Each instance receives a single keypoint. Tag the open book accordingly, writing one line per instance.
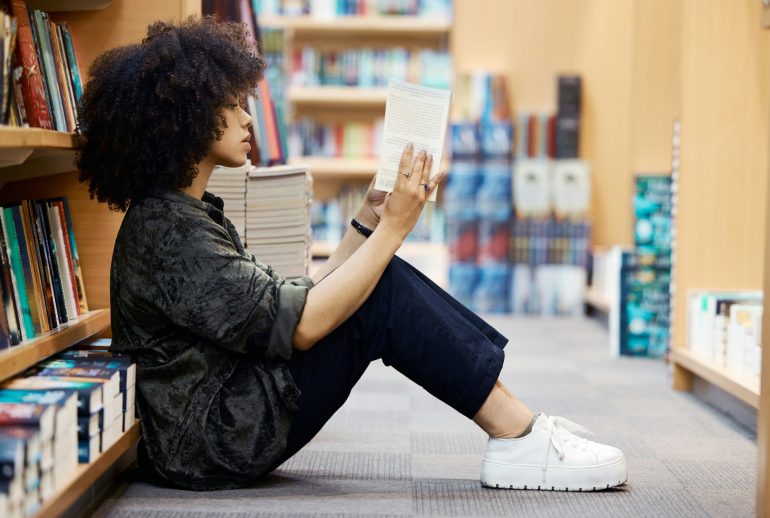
(416, 114)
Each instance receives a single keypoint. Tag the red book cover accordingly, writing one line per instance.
(532, 151)
(551, 151)
(30, 80)
(271, 128)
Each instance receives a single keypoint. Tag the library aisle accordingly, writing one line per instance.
(394, 450)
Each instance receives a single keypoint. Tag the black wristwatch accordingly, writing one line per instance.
(364, 231)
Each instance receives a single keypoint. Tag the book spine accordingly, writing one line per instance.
(39, 270)
(65, 86)
(23, 279)
(69, 293)
(9, 308)
(39, 19)
(67, 219)
(29, 82)
(48, 245)
(72, 61)
(58, 210)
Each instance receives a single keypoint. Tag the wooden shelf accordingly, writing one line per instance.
(363, 25)
(87, 474)
(20, 357)
(12, 137)
(31, 152)
(353, 168)
(596, 300)
(742, 388)
(350, 96)
(68, 5)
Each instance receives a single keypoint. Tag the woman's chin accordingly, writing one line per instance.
(235, 162)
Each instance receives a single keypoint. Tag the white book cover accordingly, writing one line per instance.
(532, 187)
(571, 187)
(415, 114)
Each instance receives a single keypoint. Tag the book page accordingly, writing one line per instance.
(415, 114)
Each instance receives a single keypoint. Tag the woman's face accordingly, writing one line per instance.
(233, 148)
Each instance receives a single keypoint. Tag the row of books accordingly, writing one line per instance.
(441, 9)
(63, 411)
(330, 219)
(270, 209)
(725, 328)
(370, 67)
(519, 241)
(41, 282)
(41, 82)
(544, 290)
(531, 188)
(351, 139)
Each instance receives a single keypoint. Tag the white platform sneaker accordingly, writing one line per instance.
(551, 457)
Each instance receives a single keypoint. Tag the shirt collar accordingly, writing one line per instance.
(209, 200)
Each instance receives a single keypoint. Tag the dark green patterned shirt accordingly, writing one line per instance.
(210, 328)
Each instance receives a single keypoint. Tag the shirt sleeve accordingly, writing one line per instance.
(207, 287)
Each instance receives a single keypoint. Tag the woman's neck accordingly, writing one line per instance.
(198, 186)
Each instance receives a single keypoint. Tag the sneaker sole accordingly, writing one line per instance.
(497, 475)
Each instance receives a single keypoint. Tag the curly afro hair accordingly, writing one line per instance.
(151, 111)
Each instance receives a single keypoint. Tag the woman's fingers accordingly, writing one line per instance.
(426, 169)
(419, 165)
(426, 173)
(405, 164)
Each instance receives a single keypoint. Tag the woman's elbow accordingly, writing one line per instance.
(302, 340)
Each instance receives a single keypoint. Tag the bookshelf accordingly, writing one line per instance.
(724, 129)
(360, 25)
(37, 163)
(26, 354)
(119, 455)
(343, 104)
(744, 389)
(338, 96)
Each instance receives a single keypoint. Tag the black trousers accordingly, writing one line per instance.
(411, 324)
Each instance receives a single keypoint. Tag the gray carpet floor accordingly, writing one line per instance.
(394, 450)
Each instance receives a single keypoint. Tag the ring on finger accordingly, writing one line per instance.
(405, 174)
(425, 186)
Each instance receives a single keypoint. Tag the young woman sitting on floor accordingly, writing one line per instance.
(237, 368)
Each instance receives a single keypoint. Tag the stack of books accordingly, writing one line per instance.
(44, 71)
(278, 201)
(41, 282)
(61, 412)
(229, 183)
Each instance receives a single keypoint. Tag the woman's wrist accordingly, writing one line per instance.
(366, 218)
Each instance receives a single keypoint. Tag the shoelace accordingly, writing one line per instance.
(561, 433)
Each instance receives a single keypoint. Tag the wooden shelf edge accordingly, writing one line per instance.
(338, 95)
(321, 167)
(87, 474)
(68, 5)
(597, 301)
(13, 137)
(412, 25)
(18, 358)
(742, 389)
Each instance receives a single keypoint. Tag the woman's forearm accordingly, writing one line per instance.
(340, 293)
(348, 245)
